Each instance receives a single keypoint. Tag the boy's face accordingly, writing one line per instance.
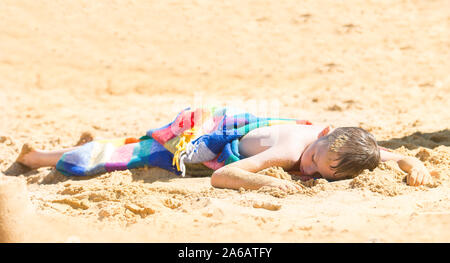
(317, 160)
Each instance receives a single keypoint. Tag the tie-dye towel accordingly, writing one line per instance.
(197, 142)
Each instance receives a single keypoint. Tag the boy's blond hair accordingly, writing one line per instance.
(356, 150)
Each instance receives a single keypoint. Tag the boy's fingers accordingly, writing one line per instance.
(428, 179)
(409, 179)
(419, 178)
(425, 176)
(412, 178)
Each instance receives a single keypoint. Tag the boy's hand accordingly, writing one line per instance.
(285, 185)
(417, 173)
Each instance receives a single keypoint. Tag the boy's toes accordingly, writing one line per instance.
(26, 156)
(26, 149)
(85, 137)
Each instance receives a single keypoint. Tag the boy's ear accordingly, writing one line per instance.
(325, 131)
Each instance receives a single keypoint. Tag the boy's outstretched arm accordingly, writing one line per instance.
(417, 172)
(243, 173)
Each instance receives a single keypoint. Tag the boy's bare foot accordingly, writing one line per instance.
(28, 156)
(85, 138)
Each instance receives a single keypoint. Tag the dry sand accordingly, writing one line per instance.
(119, 68)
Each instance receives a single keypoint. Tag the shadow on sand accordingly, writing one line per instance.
(418, 139)
(52, 176)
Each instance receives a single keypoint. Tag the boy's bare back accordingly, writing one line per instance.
(288, 138)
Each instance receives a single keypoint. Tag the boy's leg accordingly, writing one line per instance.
(33, 158)
(38, 158)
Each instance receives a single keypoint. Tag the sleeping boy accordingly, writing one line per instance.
(309, 151)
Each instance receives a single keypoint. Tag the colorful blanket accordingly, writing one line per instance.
(197, 142)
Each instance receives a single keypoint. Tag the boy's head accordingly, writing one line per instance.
(342, 154)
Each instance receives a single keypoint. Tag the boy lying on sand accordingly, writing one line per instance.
(310, 151)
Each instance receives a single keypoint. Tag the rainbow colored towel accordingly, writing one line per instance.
(197, 142)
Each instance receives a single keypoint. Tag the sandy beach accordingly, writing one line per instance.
(119, 68)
